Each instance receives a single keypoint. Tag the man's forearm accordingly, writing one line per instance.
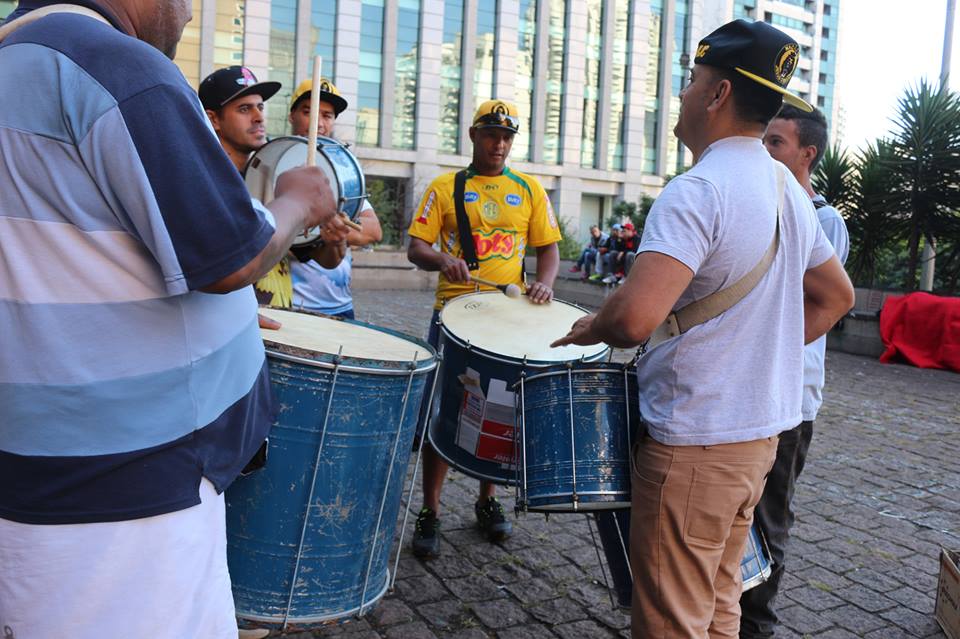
(818, 320)
(548, 264)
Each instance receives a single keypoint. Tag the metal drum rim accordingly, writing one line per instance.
(604, 367)
(507, 359)
(322, 619)
(469, 473)
(354, 364)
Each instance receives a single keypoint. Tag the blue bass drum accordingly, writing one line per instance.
(488, 340)
(333, 158)
(309, 535)
(578, 423)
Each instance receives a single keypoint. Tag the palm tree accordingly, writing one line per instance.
(925, 163)
(834, 178)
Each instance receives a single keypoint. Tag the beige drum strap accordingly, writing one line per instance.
(36, 14)
(702, 310)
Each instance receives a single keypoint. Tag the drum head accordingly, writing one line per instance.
(320, 338)
(515, 328)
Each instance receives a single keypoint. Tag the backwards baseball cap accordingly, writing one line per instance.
(328, 93)
(497, 113)
(228, 84)
(757, 51)
(628, 226)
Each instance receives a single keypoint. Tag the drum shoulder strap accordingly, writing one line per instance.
(467, 248)
(42, 12)
(715, 304)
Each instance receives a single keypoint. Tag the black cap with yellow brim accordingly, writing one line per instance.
(757, 51)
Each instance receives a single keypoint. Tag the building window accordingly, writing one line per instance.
(679, 74)
(591, 84)
(323, 36)
(485, 52)
(451, 53)
(371, 72)
(821, 101)
(825, 32)
(407, 66)
(228, 34)
(188, 51)
(620, 66)
(822, 79)
(783, 21)
(824, 55)
(553, 126)
(826, 9)
(651, 116)
(283, 53)
(526, 69)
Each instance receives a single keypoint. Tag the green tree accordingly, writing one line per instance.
(834, 177)
(925, 163)
(634, 212)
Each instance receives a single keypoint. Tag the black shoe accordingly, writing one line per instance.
(426, 534)
(491, 520)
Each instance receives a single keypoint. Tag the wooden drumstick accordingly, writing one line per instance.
(510, 290)
(314, 125)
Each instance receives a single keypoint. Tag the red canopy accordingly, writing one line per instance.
(922, 329)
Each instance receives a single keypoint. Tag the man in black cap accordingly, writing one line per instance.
(733, 275)
(234, 102)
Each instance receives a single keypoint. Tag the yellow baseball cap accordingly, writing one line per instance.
(497, 113)
(328, 93)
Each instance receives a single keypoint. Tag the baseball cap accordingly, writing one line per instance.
(328, 93)
(497, 114)
(757, 51)
(628, 226)
(227, 84)
(616, 227)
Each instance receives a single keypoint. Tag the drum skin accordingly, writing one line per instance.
(588, 469)
(356, 487)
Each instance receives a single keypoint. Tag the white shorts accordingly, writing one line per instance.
(162, 577)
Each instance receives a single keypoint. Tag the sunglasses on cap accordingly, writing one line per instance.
(498, 119)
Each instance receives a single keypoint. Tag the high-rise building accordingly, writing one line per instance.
(597, 82)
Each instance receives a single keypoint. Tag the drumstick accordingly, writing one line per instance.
(314, 125)
(510, 290)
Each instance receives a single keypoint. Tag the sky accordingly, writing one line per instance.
(885, 47)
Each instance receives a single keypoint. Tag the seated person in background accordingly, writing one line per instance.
(588, 257)
(603, 252)
(622, 256)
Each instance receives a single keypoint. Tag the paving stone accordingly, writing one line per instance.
(526, 632)
(554, 611)
(473, 588)
(869, 600)
(499, 614)
(445, 615)
(421, 589)
(582, 630)
(854, 619)
(417, 630)
(391, 611)
(534, 590)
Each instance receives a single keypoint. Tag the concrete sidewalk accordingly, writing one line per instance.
(879, 496)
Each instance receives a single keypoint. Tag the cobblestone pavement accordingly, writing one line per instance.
(880, 494)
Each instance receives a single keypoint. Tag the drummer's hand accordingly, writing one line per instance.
(334, 231)
(454, 269)
(581, 333)
(540, 293)
(267, 322)
(309, 186)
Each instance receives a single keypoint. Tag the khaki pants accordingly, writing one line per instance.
(692, 509)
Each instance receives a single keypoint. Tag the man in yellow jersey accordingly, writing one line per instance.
(507, 212)
(234, 101)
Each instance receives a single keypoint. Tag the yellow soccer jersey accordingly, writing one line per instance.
(276, 287)
(507, 213)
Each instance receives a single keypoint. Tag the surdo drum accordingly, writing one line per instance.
(308, 535)
(488, 341)
(333, 158)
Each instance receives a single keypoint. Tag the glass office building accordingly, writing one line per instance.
(596, 82)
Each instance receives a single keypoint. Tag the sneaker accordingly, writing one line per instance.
(574, 269)
(594, 277)
(610, 279)
(491, 520)
(426, 534)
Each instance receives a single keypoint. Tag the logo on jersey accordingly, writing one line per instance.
(425, 213)
(513, 199)
(471, 196)
(550, 216)
(497, 244)
(490, 187)
(490, 211)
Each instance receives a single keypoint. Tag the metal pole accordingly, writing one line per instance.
(928, 260)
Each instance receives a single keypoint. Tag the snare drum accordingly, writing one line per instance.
(309, 535)
(488, 340)
(577, 425)
(334, 158)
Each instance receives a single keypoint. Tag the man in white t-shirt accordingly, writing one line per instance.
(715, 397)
(315, 288)
(798, 139)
